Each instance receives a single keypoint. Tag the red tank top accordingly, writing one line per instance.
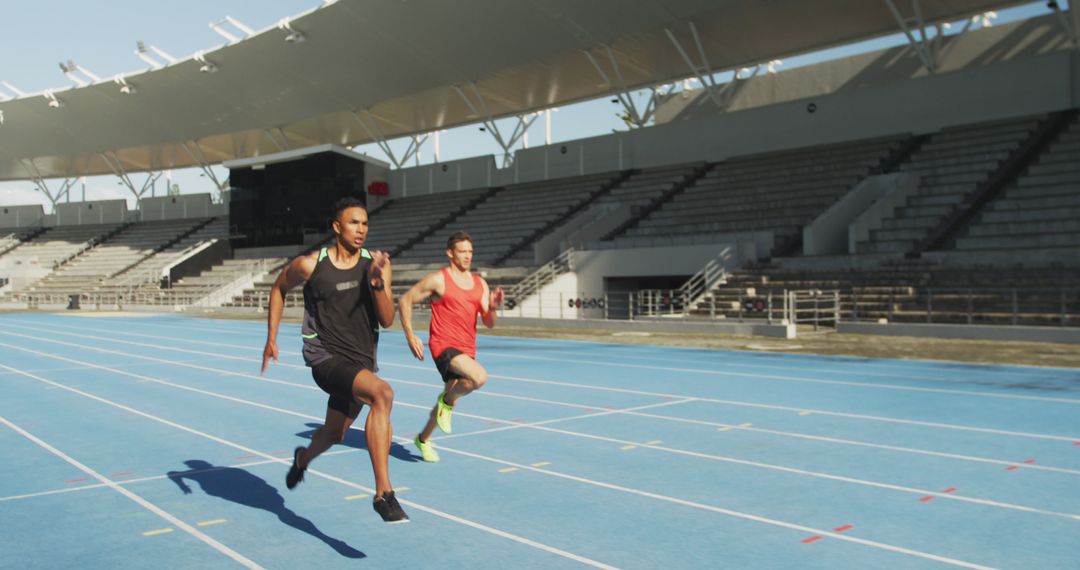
(453, 317)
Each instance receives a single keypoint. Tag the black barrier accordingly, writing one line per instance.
(73, 302)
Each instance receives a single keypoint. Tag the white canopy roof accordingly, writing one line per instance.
(371, 69)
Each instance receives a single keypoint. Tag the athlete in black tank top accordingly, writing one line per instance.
(346, 298)
(339, 313)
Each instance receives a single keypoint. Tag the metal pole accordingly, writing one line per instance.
(1063, 311)
(929, 305)
(815, 293)
(769, 318)
(892, 303)
(605, 306)
(712, 305)
(561, 305)
(740, 305)
(854, 304)
(1015, 307)
(539, 304)
(836, 308)
(971, 302)
(630, 304)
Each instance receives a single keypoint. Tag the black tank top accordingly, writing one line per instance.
(339, 313)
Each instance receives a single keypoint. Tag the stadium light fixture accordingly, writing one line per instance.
(143, 51)
(125, 87)
(291, 35)
(206, 66)
(54, 103)
(71, 68)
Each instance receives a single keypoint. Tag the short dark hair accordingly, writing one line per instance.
(345, 203)
(456, 237)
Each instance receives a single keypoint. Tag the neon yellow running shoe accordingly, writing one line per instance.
(427, 451)
(442, 416)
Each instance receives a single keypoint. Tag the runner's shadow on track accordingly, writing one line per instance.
(243, 488)
(356, 440)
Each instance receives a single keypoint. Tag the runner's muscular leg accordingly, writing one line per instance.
(471, 377)
(369, 389)
(332, 431)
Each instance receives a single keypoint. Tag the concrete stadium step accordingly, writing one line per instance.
(1020, 241)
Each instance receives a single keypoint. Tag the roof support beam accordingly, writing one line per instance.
(921, 48)
(631, 115)
(480, 108)
(196, 153)
(1069, 22)
(43, 187)
(371, 126)
(117, 166)
(703, 72)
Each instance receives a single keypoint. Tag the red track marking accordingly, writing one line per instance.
(280, 452)
(245, 457)
(843, 528)
(1029, 461)
(121, 474)
(810, 539)
(950, 490)
(79, 480)
(1076, 443)
(927, 498)
(1011, 468)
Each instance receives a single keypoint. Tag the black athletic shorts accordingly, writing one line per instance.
(335, 376)
(442, 362)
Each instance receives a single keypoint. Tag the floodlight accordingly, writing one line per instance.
(142, 50)
(125, 87)
(53, 101)
(292, 36)
(206, 66)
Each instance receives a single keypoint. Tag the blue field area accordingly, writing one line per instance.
(153, 441)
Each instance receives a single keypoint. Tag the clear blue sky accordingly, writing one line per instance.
(101, 36)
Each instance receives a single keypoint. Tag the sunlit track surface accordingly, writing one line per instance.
(154, 437)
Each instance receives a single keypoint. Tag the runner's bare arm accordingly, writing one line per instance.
(431, 284)
(490, 301)
(296, 272)
(380, 276)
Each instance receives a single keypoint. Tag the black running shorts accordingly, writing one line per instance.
(335, 376)
(442, 362)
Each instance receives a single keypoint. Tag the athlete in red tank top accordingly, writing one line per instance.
(453, 316)
(459, 297)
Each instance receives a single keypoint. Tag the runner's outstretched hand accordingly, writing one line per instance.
(269, 351)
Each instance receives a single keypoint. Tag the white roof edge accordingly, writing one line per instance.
(289, 155)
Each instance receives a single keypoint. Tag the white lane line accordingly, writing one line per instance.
(417, 506)
(131, 482)
(740, 375)
(540, 546)
(540, 426)
(236, 556)
(920, 423)
(724, 354)
(712, 372)
(748, 428)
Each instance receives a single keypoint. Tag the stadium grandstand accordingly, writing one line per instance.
(934, 182)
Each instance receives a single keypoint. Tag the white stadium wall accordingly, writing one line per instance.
(94, 212)
(12, 217)
(180, 207)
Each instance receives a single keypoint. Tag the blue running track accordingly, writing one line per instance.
(152, 441)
